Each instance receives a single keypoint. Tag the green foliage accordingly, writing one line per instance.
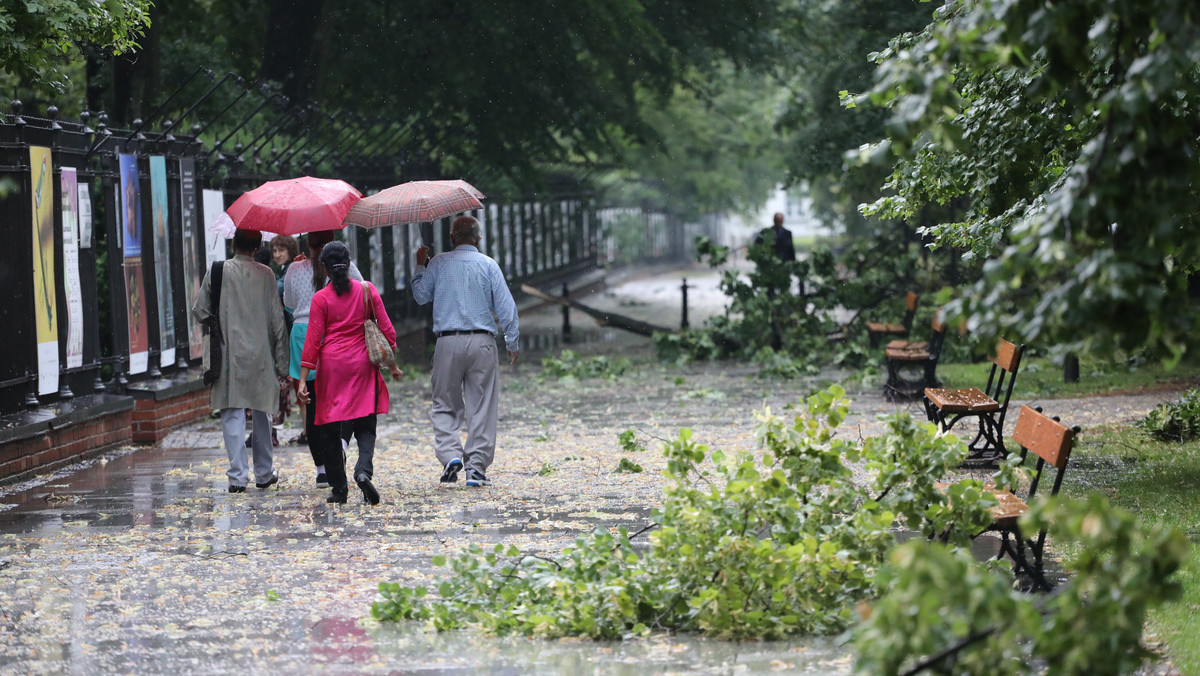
(1065, 134)
(1176, 420)
(569, 364)
(782, 314)
(714, 147)
(1091, 625)
(746, 544)
(630, 443)
(627, 466)
(547, 469)
(41, 36)
(828, 47)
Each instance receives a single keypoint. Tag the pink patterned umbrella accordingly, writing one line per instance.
(414, 202)
(295, 205)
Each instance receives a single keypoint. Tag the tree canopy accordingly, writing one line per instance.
(1071, 131)
(37, 34)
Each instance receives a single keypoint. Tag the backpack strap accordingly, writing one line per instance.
(215, 295)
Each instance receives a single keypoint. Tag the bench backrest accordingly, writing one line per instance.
(910, 310)
(1048, 439)
(1003, 376)
(938, 336)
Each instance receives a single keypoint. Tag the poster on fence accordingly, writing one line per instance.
(72, 291)
(192, 243)
(45, 287)
(214, 243)
(135, 288)
(85, 216)
(161, 220)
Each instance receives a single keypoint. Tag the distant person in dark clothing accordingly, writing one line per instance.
(785, 249)
(778, 282)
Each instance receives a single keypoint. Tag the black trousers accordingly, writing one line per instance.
(324, 442)
(335, 465)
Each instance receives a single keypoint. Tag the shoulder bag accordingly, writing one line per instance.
(378, 351)
(214, 339)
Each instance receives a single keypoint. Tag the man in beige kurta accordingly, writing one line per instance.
(255, 358)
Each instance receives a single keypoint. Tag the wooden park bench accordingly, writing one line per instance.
(876, 330)
(947, 406)
(1051, 442)
(903, 356)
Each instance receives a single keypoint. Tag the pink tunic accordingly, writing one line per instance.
(350, 386)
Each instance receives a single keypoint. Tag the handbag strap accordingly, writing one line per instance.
(367, 306)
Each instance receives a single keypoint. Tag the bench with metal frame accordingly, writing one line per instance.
(1051, 442)
(947, 406)
(902, 355)
(877, 330)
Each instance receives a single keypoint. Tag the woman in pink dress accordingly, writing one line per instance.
(352, 389)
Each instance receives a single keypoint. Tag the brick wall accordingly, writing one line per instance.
(153, 419)
(61, 445)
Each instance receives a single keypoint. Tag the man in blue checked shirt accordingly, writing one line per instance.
(469, 294)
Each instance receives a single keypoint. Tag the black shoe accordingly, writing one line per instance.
(451, 470)
(337, 498)
(237, 489)
(249, 441)
(322, 480)
(268, 483)
(475, 478)
(301, 438)
(369, 493)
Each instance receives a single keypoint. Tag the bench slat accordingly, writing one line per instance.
(961, 400)
(1010, 508)
(1007, 356)
(1048, 438)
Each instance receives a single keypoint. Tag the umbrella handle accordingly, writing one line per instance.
(426, 228)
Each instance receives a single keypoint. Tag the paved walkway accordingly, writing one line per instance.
(140, 561)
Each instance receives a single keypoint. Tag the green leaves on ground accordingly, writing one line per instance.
(761, 544)
(1175, 420)
(569, 364)
(630, 443)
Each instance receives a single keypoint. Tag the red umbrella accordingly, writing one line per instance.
(414, 202)
(295, 205)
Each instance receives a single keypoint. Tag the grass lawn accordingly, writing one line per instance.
(1161, 483)
(1037, 377)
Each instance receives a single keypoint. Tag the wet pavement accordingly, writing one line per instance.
(140, 561)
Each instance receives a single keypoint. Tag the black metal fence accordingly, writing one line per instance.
(113, 299)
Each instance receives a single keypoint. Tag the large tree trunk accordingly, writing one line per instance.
(290, 51)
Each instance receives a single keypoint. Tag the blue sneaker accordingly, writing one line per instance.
(451, 470)
(476, 478)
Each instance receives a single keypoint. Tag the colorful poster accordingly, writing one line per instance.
(193, 275)
(45, 288)
(214, 242)
(162, 260)
(85, 217)
(135, 289)
(72, 290)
